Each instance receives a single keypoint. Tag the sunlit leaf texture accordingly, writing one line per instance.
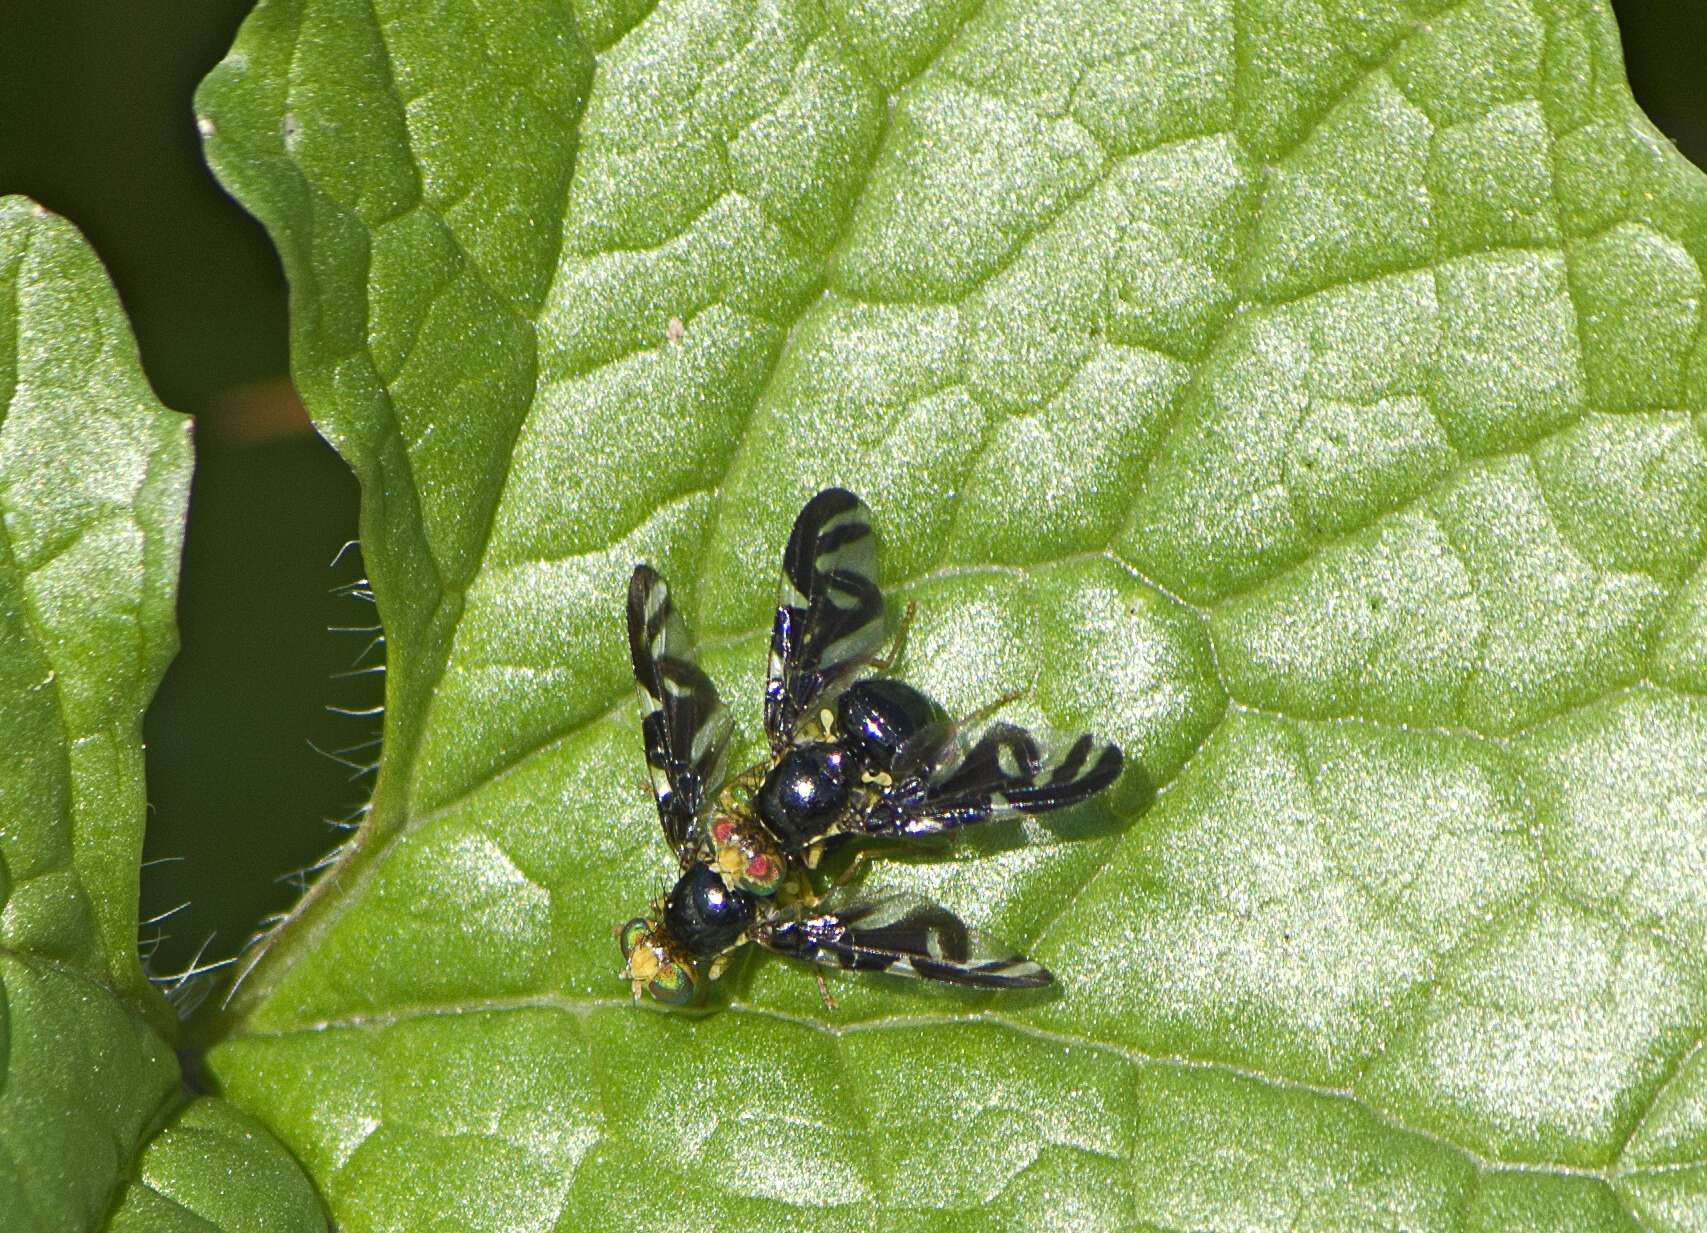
(1298, 392)
(94, 474)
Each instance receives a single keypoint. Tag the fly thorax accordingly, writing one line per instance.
(704, 915)
(804, 793)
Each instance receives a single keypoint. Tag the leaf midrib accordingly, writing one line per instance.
(583, 1007)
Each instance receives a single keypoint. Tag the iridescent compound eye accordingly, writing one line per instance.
(674, 984)
(630, 935)
(762, 875)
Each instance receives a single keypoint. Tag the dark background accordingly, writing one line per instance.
(96, 124)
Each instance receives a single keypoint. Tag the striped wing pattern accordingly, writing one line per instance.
(683, 722)
(1006, 771)
(904, 936)
(918, 773)
(829, 614)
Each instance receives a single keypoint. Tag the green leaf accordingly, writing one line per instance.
(213, 1167)
(94, 475)
(1300, 393)
(93, 479)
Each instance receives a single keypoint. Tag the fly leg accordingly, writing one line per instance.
(898, 643)
(989, 708)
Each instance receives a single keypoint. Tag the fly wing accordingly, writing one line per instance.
(904, 936)
(945, 781)
(682, 720)
(829, 610)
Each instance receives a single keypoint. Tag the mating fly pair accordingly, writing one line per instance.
(854, 758)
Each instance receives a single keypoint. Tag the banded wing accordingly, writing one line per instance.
(953, 782)
(904, 936)
(829, 611)
(682, 720)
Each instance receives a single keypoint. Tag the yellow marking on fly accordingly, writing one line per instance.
(881, 778)
(720, 965)
(794, 889)
(642, 966)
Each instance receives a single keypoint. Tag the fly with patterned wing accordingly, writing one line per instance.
(854, 756)
(942, 785)
(829, 610)
(685, 732)
(904, 936)
(873, 757)
(682, 720)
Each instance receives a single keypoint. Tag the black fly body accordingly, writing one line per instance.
(854, 757)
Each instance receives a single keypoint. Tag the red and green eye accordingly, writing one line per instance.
(674, 984)
(762, 875)
(631, 934)
(723, 832)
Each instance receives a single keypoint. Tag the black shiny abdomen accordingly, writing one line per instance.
(703, 915)
(876, 716)
(803, 793)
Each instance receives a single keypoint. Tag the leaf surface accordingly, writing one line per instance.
(94, 476)
(1303, 395)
